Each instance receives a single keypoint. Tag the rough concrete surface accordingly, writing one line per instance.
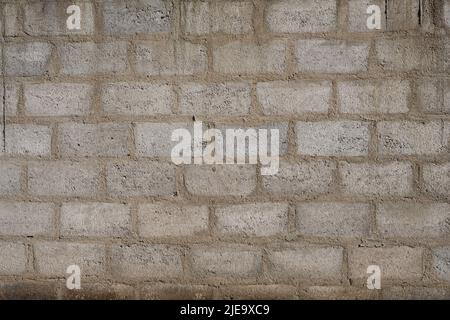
(86, 176)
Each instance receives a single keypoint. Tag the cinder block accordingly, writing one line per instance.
(396, 15)
(130, 17)
(332, 138)
(58, 99)
(437, 179)
(410, 138)
(220, 180)
(100, 291)
(289, 16)
(137, 98)
(333, 219)
(141, 261)
(26, 219)
(308, 264)
(331, 56)
(63, 178)
(282, 128)
(242, 57)
(153, 139)
(11, 98)
(407, 54)
(221, 99)
(14, 258)
(89, 140)
(404, 14)
(167, 291)
(371, 179)
(169, 58)
(234, 262)
(95, 219)
(227, 17)
(440, 264)
(53, 258)
(252, 220)
(258, 292)
(48, 18)
(28, 290)
(28, 140)
(413, 220)
(447, 13)
(172, 220)
(373, 97)
(27, 58)
(434, 96)
(400, 264)
(10, 174)
(300, 179)
(294, 97)
(11, 18)
(446, 56)
(357, 15)
(89, 58)
(140, 178)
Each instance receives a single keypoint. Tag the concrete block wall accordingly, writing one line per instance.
(85, 170)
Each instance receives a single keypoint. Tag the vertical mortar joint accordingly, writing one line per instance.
(420, 12)
(386, 13)
(3, 80)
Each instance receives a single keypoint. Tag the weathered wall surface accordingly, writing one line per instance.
(85, 170)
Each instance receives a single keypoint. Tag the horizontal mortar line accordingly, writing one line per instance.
(381, 159)
(224, 202)
(317, 197)
(243, 120)
(227, 78)
(258, 244)
(218, 38)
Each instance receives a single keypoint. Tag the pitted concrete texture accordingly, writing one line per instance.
(86, 176)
